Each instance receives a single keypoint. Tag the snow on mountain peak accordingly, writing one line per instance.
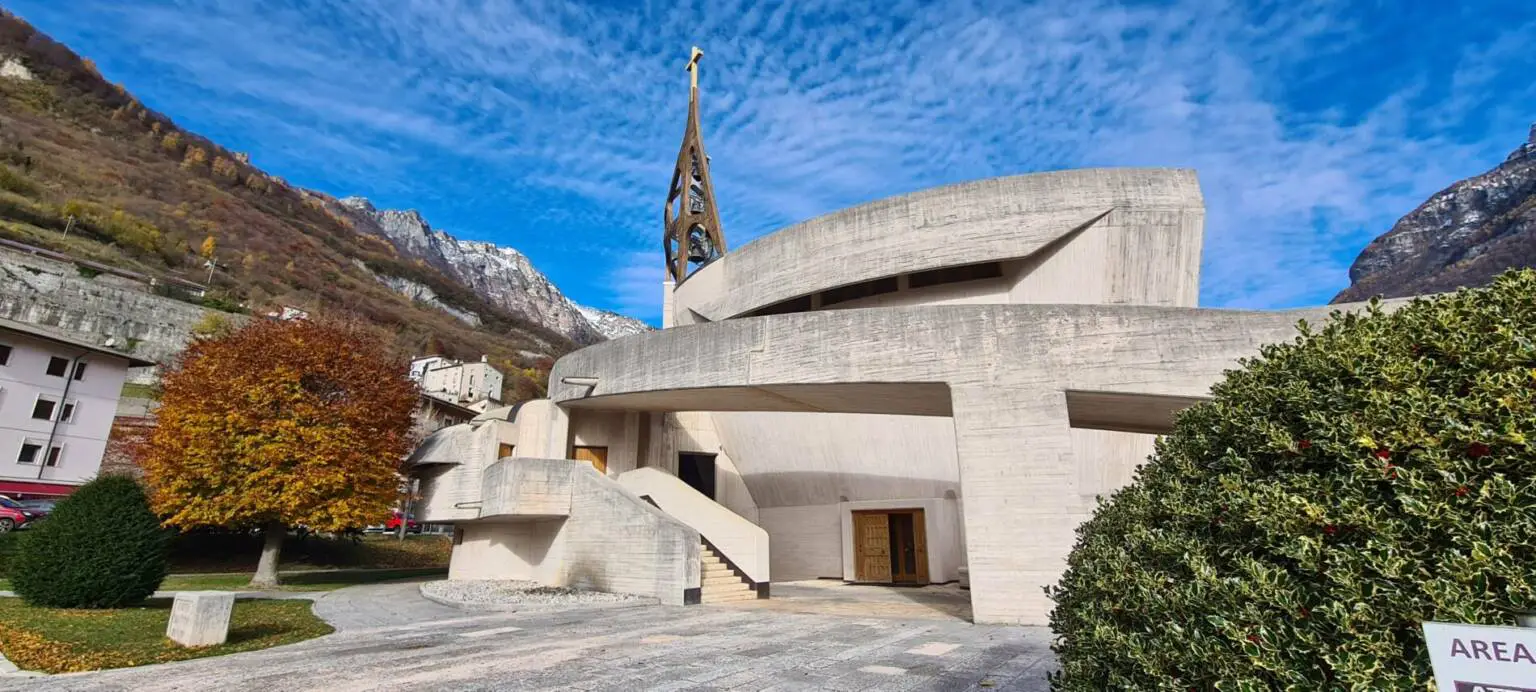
(501, 275)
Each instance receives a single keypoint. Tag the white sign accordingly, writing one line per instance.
(1479, 658)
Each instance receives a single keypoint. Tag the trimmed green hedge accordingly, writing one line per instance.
(1293, 532)
(101, 547)
(7, 550)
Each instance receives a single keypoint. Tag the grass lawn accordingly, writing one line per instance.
(226, 553)
(60, 640)
(321, 580)
(135, 390)
(298, 581)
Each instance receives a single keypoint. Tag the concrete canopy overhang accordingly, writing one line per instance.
(1114, 356)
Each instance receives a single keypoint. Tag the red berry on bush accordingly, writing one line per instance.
(1383, 453)
(1253, 638)
(1304, 444)
(1461, 491)
(1303, 612)
(1477, 450)
(1330, 529)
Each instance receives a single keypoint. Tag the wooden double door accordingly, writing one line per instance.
(890, 546)
(596, 456)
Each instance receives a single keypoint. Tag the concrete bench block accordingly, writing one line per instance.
(200, 618)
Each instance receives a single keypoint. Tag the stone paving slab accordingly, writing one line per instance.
(389, 638)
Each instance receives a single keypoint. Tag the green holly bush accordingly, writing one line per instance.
(1336, 491)
(101, 547)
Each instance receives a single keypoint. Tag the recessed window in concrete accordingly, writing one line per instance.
(793, 305)
(859, 290)
(954, 275)
(698, 471)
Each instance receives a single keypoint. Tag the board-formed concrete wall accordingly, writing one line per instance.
(1008, 369)
(742, 542)
(559, 522)
(1115, 235)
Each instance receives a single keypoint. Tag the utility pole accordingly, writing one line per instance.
(69, 225)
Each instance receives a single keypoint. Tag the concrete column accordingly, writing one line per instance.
(667, 319)
(629, 459)
(559, 433)
(1018, 478)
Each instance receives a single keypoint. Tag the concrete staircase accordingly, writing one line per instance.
(720, 583)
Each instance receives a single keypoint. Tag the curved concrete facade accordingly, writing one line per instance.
(1123, 236)
(996, 354)
(1012, 373)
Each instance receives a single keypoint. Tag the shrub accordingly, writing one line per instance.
(16, 182)
(7, 550)
(100, 548)
(1293, 532)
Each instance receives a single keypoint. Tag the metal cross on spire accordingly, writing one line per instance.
(692, 234)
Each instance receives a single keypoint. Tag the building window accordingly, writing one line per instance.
(954, 275)
(79, 371)
(800, 304)
(5, 354)
(503, 450)
(32, 449)
(67, 412)
(43, 409)
(57, 366)
(29, 450)
(859, 290)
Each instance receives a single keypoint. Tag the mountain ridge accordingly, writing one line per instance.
(1463, 235)
(88, 170)
(501, 274)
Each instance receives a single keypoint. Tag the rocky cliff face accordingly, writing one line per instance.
(101, 309)
(501, 275)
(1462, 236)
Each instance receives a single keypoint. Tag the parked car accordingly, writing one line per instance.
(45, 507)
(393, 524)
(15, 516)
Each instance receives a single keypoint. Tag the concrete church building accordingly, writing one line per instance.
(914, 390)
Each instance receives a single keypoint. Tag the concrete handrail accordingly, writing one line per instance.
(742, 542)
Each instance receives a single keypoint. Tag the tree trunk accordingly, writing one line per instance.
(271, 549)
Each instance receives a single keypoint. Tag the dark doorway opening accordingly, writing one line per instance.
(698, 471)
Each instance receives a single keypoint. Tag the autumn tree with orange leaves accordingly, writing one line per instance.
(280, 424)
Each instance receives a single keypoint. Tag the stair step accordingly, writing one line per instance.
(717, 567)
(732, 597)
(711, 596)
(724, 579)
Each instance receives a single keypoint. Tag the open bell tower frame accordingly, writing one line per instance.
(693, 236)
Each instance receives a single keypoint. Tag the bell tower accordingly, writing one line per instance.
(692, 236)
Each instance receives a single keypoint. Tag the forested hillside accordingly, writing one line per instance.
(87, 169)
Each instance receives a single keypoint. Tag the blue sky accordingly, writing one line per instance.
(552, 126)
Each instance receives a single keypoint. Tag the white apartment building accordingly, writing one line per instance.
(58, 397)
(457, 381)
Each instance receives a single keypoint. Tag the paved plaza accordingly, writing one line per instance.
(389, 637)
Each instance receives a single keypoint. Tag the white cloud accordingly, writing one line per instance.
(814, 106)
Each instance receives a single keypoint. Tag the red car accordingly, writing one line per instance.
(394, 523)
(14, 516)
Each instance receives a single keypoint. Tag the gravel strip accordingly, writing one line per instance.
(520, 593)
